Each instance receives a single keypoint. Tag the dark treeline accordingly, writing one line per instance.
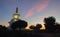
(17, 29)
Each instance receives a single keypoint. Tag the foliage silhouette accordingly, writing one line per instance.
(19, 24)
(50, 24)
(57, 27)
(32, 27)
(36, 28)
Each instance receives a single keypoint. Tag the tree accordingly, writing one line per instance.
(19, 24)
(50, 24)
(57, 27)
(32, 27)
(38, 26)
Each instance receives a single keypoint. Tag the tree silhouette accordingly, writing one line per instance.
(19, 24)
(57, 27)
(32, 27)
(50, 20)
(50, 24)
(38, 26)
(3, 28)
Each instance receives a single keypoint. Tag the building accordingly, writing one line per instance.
(16, 22)
(16, 17)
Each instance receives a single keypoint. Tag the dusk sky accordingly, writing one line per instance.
(32, 11)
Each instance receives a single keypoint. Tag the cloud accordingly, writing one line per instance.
(42, 6)
(29, 13)
(38, 7)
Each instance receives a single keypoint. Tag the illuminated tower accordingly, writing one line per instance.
(15, 16)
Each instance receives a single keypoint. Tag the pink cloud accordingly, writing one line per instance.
(38, 7)
(42, 6)
(29, 13)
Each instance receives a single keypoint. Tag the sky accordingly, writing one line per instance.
(32, 11)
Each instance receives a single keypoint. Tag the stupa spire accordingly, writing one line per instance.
(16, 9)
